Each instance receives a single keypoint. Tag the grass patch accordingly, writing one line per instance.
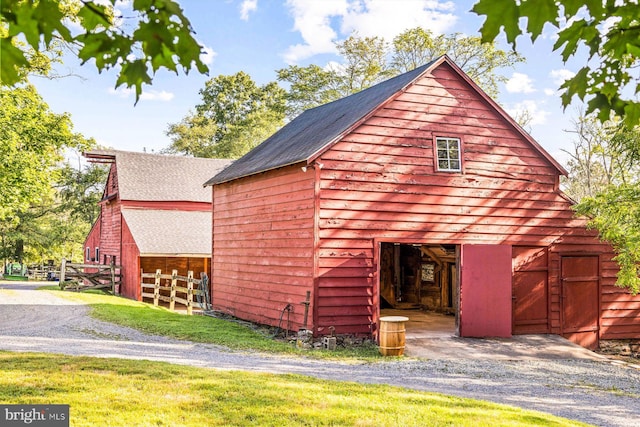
(204, 329)
(140, 393)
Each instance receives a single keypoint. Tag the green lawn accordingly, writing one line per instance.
(205, 329)
(113, 392)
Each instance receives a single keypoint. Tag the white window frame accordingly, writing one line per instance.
(449, 160)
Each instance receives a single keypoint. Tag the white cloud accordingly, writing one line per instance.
(207, 55)
(559, 76)
(247, 7)
(389, 18)
(147, 95)
(532, 109)
(520, 83)
(321, 23)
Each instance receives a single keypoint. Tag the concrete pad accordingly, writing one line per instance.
(433, 336)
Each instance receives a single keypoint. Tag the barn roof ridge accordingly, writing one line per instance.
(315, 130)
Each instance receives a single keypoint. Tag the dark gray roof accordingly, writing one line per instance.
(170, 232)
(312, 130)
(155, 177)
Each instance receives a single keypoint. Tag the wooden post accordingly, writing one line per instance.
(190, 293)
(112, 267)
(156, 288)
(63, 267)
(174, 282)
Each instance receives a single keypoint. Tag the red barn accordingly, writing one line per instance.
(417, 192)
(154, 214)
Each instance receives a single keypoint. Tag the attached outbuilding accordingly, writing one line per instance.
(419, 192)
(154, 214)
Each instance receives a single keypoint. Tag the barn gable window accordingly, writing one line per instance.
(97, 259)
(448, 154)
(87, 255)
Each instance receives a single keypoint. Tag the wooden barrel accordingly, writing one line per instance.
(392, 335)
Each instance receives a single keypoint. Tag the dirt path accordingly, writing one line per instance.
(593, 391)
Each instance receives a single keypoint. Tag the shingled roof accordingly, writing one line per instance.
(155, 177)
(318, 128)
(170, 232)
(312, 130)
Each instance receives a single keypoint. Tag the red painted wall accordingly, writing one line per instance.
(130, 285)
(92, 241)
(485, 291)
(263, 257)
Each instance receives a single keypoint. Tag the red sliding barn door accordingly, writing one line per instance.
(485, 291)
(580, 299)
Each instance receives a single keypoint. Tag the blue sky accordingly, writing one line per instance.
(262, 36)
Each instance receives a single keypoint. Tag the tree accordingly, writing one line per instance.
(367, 61)
(32, 140)
(235, 115)
(416, 47)
(32, 143)
(597, 161)
(162, 38)
(608, 30)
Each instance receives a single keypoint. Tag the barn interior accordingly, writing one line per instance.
(422, 278)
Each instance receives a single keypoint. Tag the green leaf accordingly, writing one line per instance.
(12, 60)
(577, 85)
(134, 73)
(538, 13)
(602, 105)
(631, 114)
(507, 18)
(50, 21)
(571, 7)
(93, 16)
(572, 35)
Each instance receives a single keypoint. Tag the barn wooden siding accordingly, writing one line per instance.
(130, 281)
(111, 220)
(263, 243)
(92, 241)
(276, 231)
(379, 183)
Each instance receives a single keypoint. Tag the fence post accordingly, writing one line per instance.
(112, 267)
(63, 267)
(174, 282)
(156, 288)
(190, 293)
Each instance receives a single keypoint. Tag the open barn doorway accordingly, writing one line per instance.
(420, 281)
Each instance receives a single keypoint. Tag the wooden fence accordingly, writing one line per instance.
(176, 292)
(105, 277)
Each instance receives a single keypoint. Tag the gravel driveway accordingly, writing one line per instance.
(597, 392)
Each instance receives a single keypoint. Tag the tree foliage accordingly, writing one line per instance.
(370, 60)
(37, 208)
(234, 116)
(615, 213)
(162, 38)
(479, 60)
(599, 158)
(32, 140)
(605, 178)
(608, 30)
